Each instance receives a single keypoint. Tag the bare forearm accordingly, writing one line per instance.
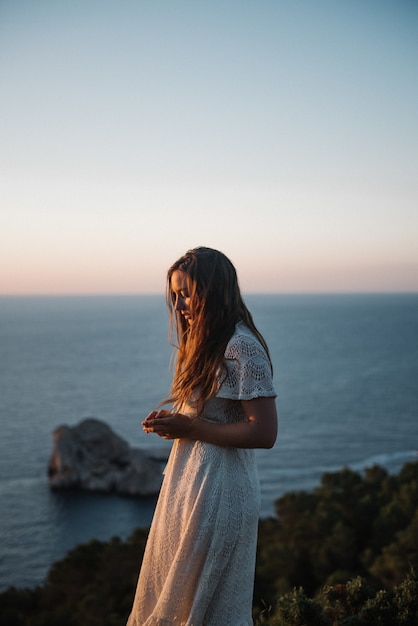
(246, 434)
(257, 430)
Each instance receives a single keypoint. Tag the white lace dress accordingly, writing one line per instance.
(198, 566)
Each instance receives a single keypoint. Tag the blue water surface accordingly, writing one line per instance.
(345, 369)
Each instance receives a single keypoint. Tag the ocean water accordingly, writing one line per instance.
(346, 373)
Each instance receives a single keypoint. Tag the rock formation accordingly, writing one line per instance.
(91, 456)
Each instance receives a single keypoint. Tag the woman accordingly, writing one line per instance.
(198, 566)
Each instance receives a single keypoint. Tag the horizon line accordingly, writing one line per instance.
(132, 294)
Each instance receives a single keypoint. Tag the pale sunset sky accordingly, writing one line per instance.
(284, 133)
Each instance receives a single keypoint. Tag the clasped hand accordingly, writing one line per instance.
(168, 425)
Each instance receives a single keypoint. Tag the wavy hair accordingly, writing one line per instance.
(216, 307)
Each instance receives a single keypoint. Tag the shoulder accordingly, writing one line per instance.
(248, 370)
(243, 342)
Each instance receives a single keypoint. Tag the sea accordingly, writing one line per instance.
(345, 370)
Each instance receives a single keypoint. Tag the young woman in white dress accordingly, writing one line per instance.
(199, 562)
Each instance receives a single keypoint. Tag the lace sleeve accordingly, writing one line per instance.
(248, 370)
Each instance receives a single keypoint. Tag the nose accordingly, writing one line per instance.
(179, 303)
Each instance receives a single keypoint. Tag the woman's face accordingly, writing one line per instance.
(181, 295)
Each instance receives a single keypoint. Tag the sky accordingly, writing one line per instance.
(284, 133)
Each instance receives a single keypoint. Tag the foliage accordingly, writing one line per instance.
(355, 603)
(349, 526)
(344, 555)
(92, 586)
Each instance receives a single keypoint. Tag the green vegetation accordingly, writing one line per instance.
(345, 554)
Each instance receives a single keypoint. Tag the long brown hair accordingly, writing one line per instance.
(216, 307)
